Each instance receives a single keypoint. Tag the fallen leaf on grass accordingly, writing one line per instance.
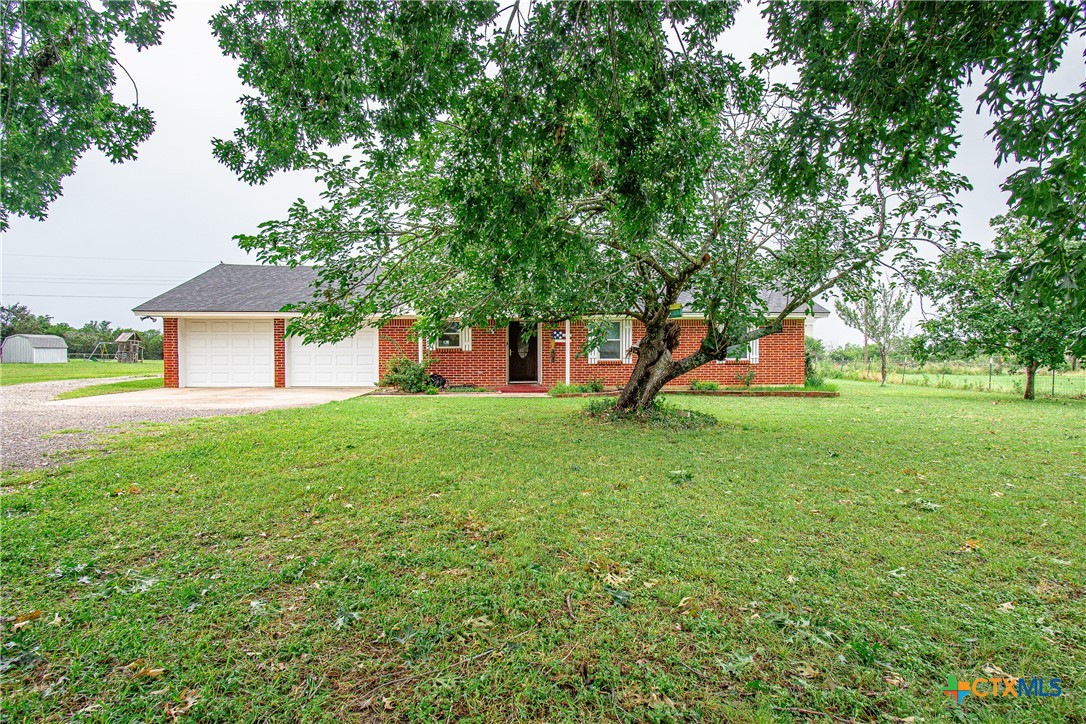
(687, 605)
(26, 619)
(1008, 606)
(149, 673)
(189, 697)
(997, 673)
(790, 579)
(807, 671)
(969, 545)
(897, 681)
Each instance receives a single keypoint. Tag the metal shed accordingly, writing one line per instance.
(34, 348)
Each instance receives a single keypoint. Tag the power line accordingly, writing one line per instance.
(70, 296)
(100, 284)
(113, 258)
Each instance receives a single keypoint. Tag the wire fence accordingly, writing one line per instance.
(1064, 383)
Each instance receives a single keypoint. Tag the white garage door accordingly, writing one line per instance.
(228, 353)
(350, 363)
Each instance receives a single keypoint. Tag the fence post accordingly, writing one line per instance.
(1053, 381)
(989, 374)
(903, 363)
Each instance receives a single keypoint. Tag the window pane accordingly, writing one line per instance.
(451, 336)
(610, 350)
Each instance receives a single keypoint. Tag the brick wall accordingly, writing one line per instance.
(483, 366)
(780, 357)
(169, 352)
(280, 344)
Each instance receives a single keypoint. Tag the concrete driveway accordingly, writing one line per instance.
(37, 431)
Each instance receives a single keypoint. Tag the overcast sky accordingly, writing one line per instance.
(122, 234)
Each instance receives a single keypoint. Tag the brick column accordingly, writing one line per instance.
(169, 352)
(280, 353)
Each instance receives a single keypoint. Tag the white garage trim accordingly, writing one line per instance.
(352, 362)
(227, 353)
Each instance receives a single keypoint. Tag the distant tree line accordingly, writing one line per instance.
(18, 319)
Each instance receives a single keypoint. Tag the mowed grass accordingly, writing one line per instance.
(17, 373)
(112, 388)
(495, 559)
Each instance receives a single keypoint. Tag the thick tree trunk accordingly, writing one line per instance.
(882, 358)
(1031, 377)
(655, 368)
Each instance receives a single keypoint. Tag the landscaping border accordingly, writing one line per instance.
(718, 393)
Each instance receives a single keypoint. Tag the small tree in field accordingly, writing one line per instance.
(982, 311)
(879, 312)
(550, 161)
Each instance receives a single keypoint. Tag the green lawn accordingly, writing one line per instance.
(489, 559)
(16, 374)
(112, 388)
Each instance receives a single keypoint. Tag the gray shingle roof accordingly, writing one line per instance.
(42, 341)
(264, 288)
(237, 288)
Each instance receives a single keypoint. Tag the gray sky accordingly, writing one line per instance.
(124, 233)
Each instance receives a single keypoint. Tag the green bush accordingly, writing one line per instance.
(704, 385)
(747, 378)
(407, 375)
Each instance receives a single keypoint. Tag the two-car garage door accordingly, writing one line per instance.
(241, 353)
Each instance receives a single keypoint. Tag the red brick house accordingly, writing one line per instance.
(225, 328)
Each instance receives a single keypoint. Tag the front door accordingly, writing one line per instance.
(523, 355)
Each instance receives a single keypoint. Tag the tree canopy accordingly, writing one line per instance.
(551, 161)
(884, 78)
(57, 75)
(980, 310)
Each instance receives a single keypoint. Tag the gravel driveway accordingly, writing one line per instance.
(29, 422)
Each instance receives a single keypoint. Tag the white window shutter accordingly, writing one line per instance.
(753, 356)
(594, 356)
(626, 340)
(465, 339)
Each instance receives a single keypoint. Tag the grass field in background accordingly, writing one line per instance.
(1067, 384)
(417, 558)
(112, 388)
(18, 373)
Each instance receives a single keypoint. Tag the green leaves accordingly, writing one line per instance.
(57, 93)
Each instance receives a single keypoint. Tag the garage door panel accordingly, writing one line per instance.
(228, 353)
(351, 362)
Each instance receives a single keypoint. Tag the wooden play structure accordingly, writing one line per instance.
(128, 347)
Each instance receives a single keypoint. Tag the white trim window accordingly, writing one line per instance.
(454, 337)
(616, 344)
(750, 354)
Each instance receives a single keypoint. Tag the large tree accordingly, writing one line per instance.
(883, 77)
(57, 73)
(982, 311)
(544, 162)
(878, 310)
